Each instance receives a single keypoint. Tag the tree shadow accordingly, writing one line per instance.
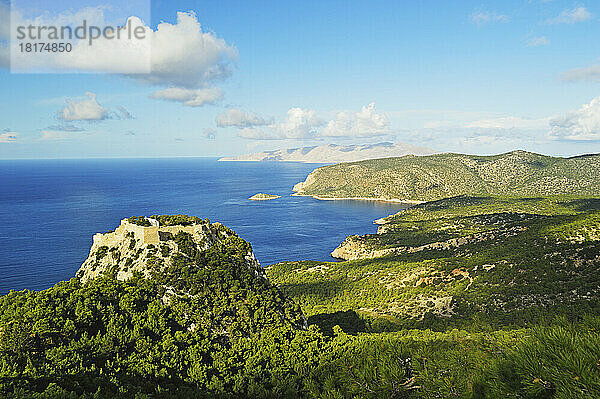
(349, 321)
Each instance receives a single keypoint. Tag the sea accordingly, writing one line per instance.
(50, 209)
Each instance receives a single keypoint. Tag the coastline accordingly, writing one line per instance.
(402, 201)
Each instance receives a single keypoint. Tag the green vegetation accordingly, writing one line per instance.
(139, 220)
(462, 262)
(474, 297)
(168, 220)
(434, 177)
(183, 220)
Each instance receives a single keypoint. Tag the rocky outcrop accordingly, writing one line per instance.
(263, 197)
(354, 247)
(204, 265)
(357, 247)
(134, 248)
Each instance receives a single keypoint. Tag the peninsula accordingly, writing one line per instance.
(428, 178)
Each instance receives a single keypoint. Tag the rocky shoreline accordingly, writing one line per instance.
(396, 200)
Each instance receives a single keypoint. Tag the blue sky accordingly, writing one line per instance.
(470, 76)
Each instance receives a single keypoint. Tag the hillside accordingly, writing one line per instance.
(332, 153)
(178, 307)
(434, 177)
(193, 261)
(453, 261)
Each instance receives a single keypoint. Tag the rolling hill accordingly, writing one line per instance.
(433, 177)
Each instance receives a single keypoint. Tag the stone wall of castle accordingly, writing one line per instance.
(147, 235)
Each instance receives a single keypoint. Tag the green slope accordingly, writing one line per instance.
(447, 263)
(433, 177)
(205, 323)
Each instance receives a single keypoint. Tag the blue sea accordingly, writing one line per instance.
(50, 209)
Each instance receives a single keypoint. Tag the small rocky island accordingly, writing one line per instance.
(263, 197)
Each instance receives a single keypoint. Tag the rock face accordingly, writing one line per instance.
(332, 153)
(132, 247)
(360, 247)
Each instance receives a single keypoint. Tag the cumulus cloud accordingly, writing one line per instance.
(538, 41)
(179, 56)
(123, 54)
(591, 74)
(209, 133)
(8, 136)
(240, 119)
(302, 124)
(365, 123)
(481, 18)
(571, 16)
(298, 124)
(190, 97)
(87, 109)
(185, 56)
(580, 125)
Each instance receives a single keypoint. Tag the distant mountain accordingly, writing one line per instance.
(427, 178)
(332, 153)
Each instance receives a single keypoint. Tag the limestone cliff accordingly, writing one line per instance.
(132, 247)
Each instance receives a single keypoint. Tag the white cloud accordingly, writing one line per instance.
(190, 97)
(179, 54)
(365, 123)
(87, 109)
(173, 56)
(125, 54)
(572, 16)
(538, 41)
(299, 124)
(209, 133)
(580, 125)
(185, 56)
(240, 119)
(481, 18)
(591, 74)
(8, 137)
